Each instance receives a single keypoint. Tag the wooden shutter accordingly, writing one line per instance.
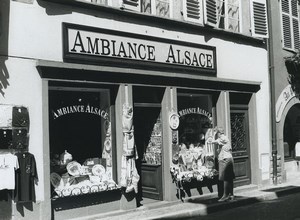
(290, 24)
(133, 5)
(286, 24)
(210, 12)
(295, 23)
(192, 11)
(259, 21)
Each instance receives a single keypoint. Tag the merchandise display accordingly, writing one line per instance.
(26, 177)
(189, 163)
(70, 178)
(152, 153)
(8, 164)
(194, 158)
(129, 175)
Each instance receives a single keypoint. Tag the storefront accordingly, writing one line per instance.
(123, 137)
(123, 113)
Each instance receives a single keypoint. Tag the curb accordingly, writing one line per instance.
(200, 205)
(216, 207)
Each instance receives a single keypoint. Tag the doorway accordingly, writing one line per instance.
(239, 122)
(147, 124)
(148, 139)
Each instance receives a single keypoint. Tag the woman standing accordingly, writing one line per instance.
(225, 159)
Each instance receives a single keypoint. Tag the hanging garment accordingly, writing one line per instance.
(8, 165)
(127, 118)
(128, 144)
(6, 116)
(20, 117)
(5, 138)
(25, 178)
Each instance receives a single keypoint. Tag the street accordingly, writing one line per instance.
(283, 208)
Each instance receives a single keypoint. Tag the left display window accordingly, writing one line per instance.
(81, 159)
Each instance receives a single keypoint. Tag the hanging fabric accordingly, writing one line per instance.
(26, 177)
(8, 165)
(129, 174)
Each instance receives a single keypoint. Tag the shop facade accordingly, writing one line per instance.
(123, 105)
(285, 88)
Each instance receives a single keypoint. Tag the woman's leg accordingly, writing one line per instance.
(226, 192)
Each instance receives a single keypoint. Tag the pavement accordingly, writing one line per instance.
(196, 206)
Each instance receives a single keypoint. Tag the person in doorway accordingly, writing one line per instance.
(225, 160)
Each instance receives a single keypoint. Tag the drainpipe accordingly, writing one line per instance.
(272, 91)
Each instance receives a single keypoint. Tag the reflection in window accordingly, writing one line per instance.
(228, 14)
(160, 8)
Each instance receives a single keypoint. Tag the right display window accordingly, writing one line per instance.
(193, 156)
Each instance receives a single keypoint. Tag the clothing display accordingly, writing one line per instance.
(5, 138)
(8, 165)
(26, 176)
(20, 117)
(6, 116)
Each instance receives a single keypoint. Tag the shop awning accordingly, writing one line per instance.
(53, 70)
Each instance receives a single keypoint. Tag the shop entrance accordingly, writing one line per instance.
(291, 142)
(148, 138)
(240, 144)
(148, 135)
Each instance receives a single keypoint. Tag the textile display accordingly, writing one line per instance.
(6, 116)
(129, 174)
(5, 138)
(20, 117)
(26, 176)
(8, 165)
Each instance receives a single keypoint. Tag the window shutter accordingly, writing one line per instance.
(210, 12)
(295, 21)
(290, 24)
(259, 21)
(286, 24)
(192, 11)
(133, 5)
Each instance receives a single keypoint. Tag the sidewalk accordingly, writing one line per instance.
(203, 205)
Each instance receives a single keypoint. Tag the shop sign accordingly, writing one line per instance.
(286, 95)
(83, 43)
(79, 109)
(195, 110)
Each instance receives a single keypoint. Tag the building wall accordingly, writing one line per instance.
(281, 79)
(34, 32)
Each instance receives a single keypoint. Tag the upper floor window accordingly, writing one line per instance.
(223, 14)
(101, 2)
(160, 8)
(290, 24)
(226, 14)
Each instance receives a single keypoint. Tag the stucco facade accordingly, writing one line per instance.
(32, 61)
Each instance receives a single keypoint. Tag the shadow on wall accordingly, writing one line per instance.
(4, 32)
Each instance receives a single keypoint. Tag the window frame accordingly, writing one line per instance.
(138, 8)
(226, 16)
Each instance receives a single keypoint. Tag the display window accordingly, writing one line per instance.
(80, 141)
(194, 155)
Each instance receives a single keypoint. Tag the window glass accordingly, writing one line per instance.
(194, 157)
(80, 142)
(228, 14)
(195, 117)
(160, 8)
(163, 8)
